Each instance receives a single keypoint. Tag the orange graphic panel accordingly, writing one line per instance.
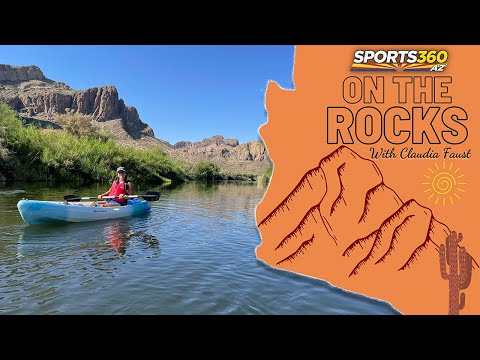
(375, 169)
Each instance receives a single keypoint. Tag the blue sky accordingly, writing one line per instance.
(186, 92)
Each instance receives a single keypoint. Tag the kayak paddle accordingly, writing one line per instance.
(148, 195)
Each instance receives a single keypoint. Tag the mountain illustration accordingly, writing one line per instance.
(343, 224)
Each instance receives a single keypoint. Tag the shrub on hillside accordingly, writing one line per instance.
(78, 125)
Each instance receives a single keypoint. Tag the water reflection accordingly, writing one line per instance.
(117, 234)
(11, 192)
(38, 240)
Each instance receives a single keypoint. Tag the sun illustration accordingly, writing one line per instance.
(445, 184)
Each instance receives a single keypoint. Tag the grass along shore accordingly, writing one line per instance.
(32, 154)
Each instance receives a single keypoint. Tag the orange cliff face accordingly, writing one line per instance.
(365, 225)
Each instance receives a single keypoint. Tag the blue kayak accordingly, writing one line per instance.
(42, 212)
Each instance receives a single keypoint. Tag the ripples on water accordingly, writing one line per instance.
(194, 253)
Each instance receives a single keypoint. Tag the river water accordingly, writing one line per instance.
(194, 253)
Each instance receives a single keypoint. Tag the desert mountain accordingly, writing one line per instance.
(357, 233)
(38, 100)
(231, 156)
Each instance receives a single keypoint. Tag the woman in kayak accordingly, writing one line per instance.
(120, 187)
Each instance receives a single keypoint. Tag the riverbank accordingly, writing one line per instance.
(29, 153)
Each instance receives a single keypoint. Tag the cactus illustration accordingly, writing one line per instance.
(460, 263)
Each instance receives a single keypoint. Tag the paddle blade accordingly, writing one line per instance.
(151, 195)
(71, 198)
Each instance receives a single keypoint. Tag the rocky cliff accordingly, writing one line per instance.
(219, 147)
(29, 92)
(20, 73)
(231, 156)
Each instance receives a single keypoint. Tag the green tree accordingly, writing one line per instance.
(207, 170)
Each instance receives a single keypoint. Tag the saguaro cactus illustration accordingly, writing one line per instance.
(460, 263)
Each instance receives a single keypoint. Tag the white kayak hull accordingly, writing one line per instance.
(42, 212)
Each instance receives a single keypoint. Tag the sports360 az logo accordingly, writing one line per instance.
(399, 60)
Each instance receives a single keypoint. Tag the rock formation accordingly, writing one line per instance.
(218, 146)
(20, 73)
(29, 92)
(231, 156)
